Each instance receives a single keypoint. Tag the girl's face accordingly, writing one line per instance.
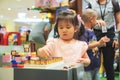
(93, 21)
(66, 30)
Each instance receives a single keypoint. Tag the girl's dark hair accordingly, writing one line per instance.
(70, 16)
(81, 31)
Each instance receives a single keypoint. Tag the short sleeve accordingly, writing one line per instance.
(85, 46)
(116, 6)
(85, 50)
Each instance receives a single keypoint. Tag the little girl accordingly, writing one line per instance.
(66, 44)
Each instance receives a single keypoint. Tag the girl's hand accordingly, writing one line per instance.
(103, 41)
(101, 23)
(81, 60)
(115, 44)
(43, 53)
(85, 61)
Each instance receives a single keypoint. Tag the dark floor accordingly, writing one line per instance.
(117, 76)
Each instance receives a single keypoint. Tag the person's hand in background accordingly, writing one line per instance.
(115, 44)
(103, 40)
(101, 23)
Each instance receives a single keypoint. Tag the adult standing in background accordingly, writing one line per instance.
(107, 18)
(40, 32)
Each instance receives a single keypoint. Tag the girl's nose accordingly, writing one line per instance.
(64, 30)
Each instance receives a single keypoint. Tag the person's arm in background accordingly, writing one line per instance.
(116, 7)
(117, 19)
(100, 43)
(47, 30)
(51, 34)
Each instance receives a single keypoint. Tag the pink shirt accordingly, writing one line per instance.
(70, 52)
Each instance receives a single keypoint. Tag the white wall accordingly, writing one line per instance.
(16, 6)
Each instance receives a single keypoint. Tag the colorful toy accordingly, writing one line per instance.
(12, 39)
(1, 38)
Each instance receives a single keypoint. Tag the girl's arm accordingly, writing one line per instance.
(42, 52)
(47, 50)
(84, 60)
(101, 42)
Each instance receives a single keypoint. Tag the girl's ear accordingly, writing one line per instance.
(90, 19)
(76, 28)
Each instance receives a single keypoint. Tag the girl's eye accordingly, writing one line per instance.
(60, 27)
(68, 27)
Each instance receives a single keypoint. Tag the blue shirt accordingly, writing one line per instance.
(94, 56)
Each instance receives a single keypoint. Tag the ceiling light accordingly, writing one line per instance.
(9, 9)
